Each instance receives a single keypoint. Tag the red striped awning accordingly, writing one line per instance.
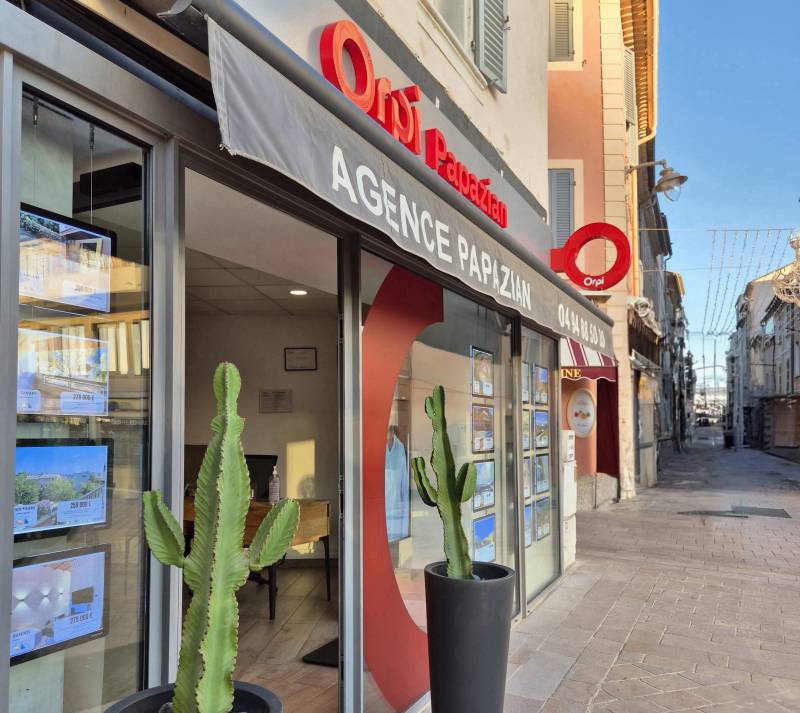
(581, 362)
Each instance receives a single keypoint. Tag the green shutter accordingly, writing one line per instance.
(491, 43)
(561, 41)
(562, 204)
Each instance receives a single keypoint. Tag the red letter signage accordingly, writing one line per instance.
(565, 259)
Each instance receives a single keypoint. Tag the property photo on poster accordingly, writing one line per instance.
(526, 382)
(541, 429)
(57, 600)
(526, 430)
(482, 371)
(528, 512)
(541, 384)
(542, 518)
(64, 261)
(482, 428)
(61, 373)
(527, 476)
(542, 469)
(484, 488)
(483, 538)
(59, 485)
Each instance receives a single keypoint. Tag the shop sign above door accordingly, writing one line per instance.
(393, 109)
(565, 259)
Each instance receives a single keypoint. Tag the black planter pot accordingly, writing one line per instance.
(469, 624)
(247, 698)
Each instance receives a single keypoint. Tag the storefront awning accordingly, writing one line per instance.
(275, 109)
(581, 362)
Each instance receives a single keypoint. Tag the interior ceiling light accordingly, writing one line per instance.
(298, 292)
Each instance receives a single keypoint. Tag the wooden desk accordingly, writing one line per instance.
(315, 526)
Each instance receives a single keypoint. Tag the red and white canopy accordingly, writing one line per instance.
(582, 362)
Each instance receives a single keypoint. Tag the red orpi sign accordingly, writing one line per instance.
(565, 259)
(394, 110)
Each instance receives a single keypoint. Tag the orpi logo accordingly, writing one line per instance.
(565, 259)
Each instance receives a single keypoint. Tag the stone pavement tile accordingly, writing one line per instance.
(575, 691)
(554, 706)
(621, 672)
(718, 694)
(677, 700)
(587, 673)
(540, 676)
(767, 662)
(518, 704)
(630, 657)
(634, 705)
(612, 634)
(669, 682)
(629, 688)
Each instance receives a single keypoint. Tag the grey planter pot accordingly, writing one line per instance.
(247, 698)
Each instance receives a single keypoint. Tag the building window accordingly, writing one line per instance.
(562, 204)
(562, 45)
(457, 15)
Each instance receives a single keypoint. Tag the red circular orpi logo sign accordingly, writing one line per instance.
(565, 259)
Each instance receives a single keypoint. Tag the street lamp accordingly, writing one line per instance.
(669, 181)
(786, 282)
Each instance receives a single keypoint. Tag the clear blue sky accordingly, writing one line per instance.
(729, 118)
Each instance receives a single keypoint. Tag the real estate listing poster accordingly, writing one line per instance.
(542, 518)
(527, 476)
(482, 428)
(57, 600)
(64, 261)
(541, 384)
(484, 488)
(60, 486)
(542, 469)
(526, 382)
(483, 538)
(61, 373)
(541, 429)
(526, 430)
(528, 511)
(482, 372)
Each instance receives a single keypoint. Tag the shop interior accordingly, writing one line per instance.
(261, 292)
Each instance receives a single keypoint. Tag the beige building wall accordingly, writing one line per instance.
(515, 122)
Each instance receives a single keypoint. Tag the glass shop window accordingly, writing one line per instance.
(83, 415)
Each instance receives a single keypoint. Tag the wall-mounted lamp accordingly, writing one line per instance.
(669, 181)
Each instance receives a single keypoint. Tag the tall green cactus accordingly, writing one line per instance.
(451, 490)
(217, 564)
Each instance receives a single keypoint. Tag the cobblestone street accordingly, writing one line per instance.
(668, 608)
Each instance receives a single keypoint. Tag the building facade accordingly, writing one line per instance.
(346, 200)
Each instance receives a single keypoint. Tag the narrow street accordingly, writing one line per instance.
(675, 602)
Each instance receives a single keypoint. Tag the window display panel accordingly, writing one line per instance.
(540, 486)
(83, 404)
(417, 335)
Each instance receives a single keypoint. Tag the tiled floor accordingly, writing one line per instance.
(671, 612)
(270, 652)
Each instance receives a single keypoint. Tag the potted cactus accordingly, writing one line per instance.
(468, 603)
(217, 565)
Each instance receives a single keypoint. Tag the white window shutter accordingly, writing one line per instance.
(562, 204)
(491, 42)
(629, 73)
(562, 47)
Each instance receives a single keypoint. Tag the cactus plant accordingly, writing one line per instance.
(451, 490)
(217, 564)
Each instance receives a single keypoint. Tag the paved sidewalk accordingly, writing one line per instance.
(666, 611)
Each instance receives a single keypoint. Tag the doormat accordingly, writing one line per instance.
(325, 655)
(763, 512)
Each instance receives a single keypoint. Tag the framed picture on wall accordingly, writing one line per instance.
(528, 511)
(541, 384)
(527, 476)
(526, 430)
(482, 372)
(483, 538)
(542, 471)
(526, 382)
(300, 359)
(541, 429)
(482, 428)
(542, 518)
(484, 487)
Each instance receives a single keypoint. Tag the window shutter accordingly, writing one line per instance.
(561, 44)
(491, 45)
(629, 72)
(562, 198)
